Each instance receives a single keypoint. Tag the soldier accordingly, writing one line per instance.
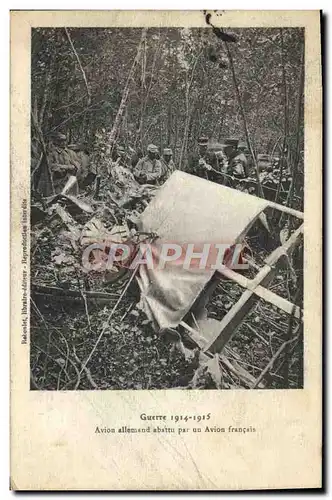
(219, 161)
(211, 164)
(149, 169)
(61, 157)
(200, 165)
(167, 163)
(63, 163)
(203, 146)
(237, 162)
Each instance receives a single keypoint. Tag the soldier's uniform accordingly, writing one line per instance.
(210, 164)
(149, 169)
(167, 163)
(200, 164)
(220, 163)
(63, 163)
(237, 168)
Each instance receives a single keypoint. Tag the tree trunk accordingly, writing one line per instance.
(246, 131)
(284, 144)
(188, 114)
(298, 131)
(117, 122)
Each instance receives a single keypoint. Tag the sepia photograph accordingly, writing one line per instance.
(166, 250)
(166, 208)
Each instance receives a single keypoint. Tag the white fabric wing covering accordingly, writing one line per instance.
(189, 210)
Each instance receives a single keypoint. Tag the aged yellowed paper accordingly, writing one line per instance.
(154, 129)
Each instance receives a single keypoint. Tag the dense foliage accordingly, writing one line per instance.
(182, 86)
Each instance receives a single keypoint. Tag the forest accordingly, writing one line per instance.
(105, 87)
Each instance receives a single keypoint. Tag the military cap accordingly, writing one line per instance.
(152, 148)
(59, 136)
(167, 151)
(202, 141)
(242, 144)
(120, 149)
(216, 146)
(232, 142)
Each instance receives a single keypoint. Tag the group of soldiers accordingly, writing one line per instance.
(152, 168)
(224, 163)
(218, 162)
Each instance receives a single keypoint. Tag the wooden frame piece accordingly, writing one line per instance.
(234, 317)
(255, 289)
(262, 293)
(246, 378)
(286, 210)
